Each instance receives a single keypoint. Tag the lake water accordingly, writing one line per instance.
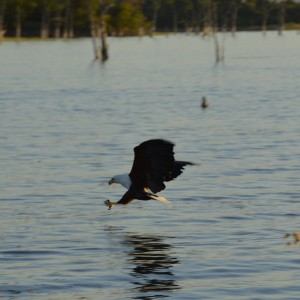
(67, 124)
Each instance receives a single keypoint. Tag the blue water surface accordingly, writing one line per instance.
(68, 123)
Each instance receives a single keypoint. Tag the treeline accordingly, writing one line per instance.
(75, 18)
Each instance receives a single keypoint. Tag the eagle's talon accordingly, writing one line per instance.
(295, 236)
(109, 204)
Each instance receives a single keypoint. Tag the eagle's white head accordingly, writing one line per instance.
(122, 179)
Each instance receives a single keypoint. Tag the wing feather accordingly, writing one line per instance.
(178, 169)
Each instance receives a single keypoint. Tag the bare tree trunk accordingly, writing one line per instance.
(93, 29)
(264, 26)
(98, 30)
(45, 21)
(174, 18)
(156, 7)
(18, 22)
(141, 32)
(71, 24)
(68, 23)
(219, 45)
(2, 13)
(265, 8)
(197, 23)
(103, 36)
(208, 21)
(235, 9)
(281, 17)
(57, 20)
(175, 27)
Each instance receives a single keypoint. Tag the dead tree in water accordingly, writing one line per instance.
(226, 13)
(98, 28)
(103, 38)
(211, 28)
(219, 44)
(94, 30)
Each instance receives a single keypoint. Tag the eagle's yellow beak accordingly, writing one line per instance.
(111, 181)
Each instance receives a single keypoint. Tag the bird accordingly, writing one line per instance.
(204, 103)
(153, 164)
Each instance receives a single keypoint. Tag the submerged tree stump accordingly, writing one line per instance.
(104, 45)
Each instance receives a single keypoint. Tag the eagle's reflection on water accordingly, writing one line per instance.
(152, 263)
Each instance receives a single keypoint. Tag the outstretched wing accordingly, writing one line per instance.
(178, 169)
(153, 164)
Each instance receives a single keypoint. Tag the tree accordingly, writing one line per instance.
(219, 45)
(156, 6)
(263, 8)
(18, 19)
(97, 14)
(281, 16)
(68, 20)
(2, 13)
(234, 4)
(58, 18)
(20, 8)
(188, 15)
(64, 18)
(198, 15)
(208, 17)
(45, 19)
(172, 4)
(127, 19)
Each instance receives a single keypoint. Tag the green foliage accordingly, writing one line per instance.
(126, 19)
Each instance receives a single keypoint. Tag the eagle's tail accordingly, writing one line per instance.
(159, 198)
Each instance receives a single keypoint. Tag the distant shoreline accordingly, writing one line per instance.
(288, 27)
(35, 38)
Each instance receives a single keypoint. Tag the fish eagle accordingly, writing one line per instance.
(153, 164)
